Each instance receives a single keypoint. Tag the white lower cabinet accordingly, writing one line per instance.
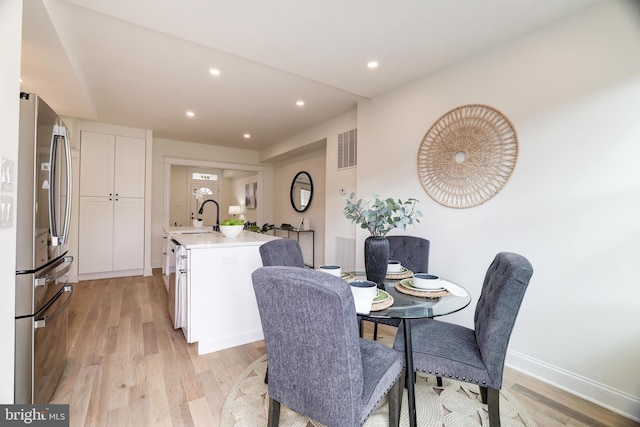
(128, 234)
(111, 235)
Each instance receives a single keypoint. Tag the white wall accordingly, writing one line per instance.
(10, 40)
(283, 212)
(235, 190)
(179, 197)
(572, 91)
(326, 228)
(163, 148)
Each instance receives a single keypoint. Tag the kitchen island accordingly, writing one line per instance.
(214, 291)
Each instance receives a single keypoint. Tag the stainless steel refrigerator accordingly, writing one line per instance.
(43, 208)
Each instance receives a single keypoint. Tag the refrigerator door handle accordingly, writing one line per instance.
(42, 321)
(50, 274)
(59, 237)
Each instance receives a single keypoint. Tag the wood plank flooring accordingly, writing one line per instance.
(128, 366)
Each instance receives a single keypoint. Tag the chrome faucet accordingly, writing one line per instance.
(217, 226)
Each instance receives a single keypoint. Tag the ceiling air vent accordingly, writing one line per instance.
(348, 149)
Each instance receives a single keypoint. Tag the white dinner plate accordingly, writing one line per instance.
(402, 270)
(409, 284)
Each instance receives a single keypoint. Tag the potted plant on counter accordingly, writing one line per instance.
(379, 216)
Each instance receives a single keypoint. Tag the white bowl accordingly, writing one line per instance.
(394, 266)
(364, 292)
(426, 281)
(231, 230)
(334, 270)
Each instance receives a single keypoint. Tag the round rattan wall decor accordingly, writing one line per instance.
(467, 156)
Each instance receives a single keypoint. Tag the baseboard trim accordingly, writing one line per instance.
(205, 347)
(109, 274)
(617, 401)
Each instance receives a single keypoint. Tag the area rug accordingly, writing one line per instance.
(453, 404)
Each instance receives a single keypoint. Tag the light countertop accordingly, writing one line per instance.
(216, 240)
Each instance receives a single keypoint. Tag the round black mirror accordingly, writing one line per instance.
(301, 191)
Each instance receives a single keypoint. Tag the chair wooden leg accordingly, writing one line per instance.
(483, 394)
(274, 413)
(361, 327)
(375, 331)
(394, 397)
(439, 381)
(493, 401)
(266, 376)
(414, 377)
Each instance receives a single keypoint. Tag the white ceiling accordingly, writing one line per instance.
(144, 63)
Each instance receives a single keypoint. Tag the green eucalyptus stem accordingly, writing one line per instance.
(381, 215)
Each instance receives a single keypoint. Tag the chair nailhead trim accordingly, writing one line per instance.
(445, 375)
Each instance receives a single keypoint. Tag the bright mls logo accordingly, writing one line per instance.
(34, 415)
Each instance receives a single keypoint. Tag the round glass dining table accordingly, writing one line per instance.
(407, 307)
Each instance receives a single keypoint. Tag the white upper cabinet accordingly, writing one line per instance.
(96, 164)
(129, 167)
(112, 165)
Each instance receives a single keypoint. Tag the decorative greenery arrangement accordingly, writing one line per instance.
(265, 227)
(381, 215)
(232, 221)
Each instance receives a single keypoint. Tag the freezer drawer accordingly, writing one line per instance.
(41, 331)
(50, 346)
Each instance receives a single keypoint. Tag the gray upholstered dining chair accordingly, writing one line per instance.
(283, 252)
(475, 355)
(318, 366)
(413, 253)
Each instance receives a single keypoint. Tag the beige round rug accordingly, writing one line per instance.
(454, 404)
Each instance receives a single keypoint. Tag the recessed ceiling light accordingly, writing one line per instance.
(246, 136)
(300, 103)
(372, 64)
(190, 114)
(214, 71)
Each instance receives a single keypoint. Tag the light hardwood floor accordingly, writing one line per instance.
(128, 366)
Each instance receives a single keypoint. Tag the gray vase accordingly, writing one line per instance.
(376, 258)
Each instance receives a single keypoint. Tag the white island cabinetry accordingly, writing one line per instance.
(220, 309)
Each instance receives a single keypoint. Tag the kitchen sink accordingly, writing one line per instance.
(189, 230)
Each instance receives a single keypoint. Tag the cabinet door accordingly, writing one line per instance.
(96, 164)
(95, 246)
(129, 174)
(128, 233)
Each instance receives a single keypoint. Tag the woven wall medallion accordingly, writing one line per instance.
(467, 156)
